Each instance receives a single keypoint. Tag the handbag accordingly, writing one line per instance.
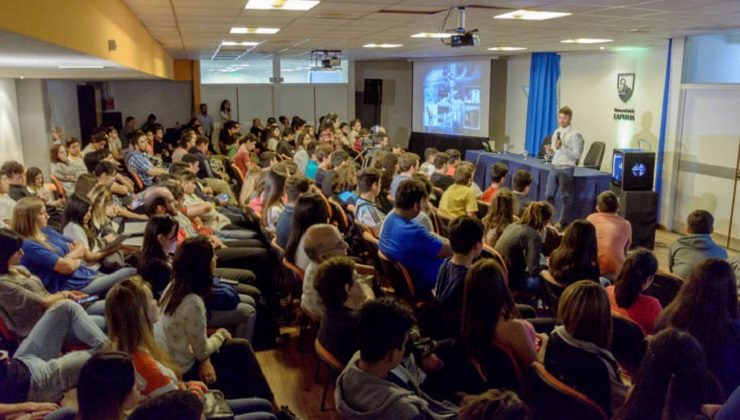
(216, 407)
(223, 297)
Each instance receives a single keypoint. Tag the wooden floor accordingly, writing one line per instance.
(290, 371)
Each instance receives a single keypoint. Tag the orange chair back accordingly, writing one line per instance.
(327, 357)
(277, 248)
(137, 181)
(238, 172)
(400, 277)
(498, 257)
(556, 400)
(58, 185)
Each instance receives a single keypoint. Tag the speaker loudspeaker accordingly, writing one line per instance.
(640, 208)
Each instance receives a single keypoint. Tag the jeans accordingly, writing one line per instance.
(52, 375)
(561, 178)
(100, 285)
(251, 409)
(242, 318)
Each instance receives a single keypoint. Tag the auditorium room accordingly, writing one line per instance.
(369, 210)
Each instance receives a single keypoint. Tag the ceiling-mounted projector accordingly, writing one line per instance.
(326, 59)
(463, 38)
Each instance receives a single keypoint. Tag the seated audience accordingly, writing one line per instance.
(439, 178)
(218, 360)
(312, 164)
(55, 258)
(459, 199)
(137, 161)
(36, 186)
(613, 234)
(310, 209)
(626, 297)
(408, 165)
(706, 307)
(78, 228)
(36, 372)
(23, 298)
(301, 155)
(520, 185)
(344, 185)
(577, 350)
(107, 387)
(321, 242)
(455, 159)
(428, 168)
(186, 142)
(338, 159)
(686, 253)
(61, 169)
(520, 244)
(335, 284)
(7, 204)
(98, 141)
(389, 166)
(243, 158)
(490, 319)
(295, 186)
(367, 212)
(272, 198)
(74, 156)
(206, 172)
(404, 240)
(671, 380)
(500, 215)
(494, 404)
(323, 160)
(465, 235)
(575, 258)
(131, 313)
(160, 243)
(16, 174)
(368, 387)
(284, 147)
(498, 179)
(427, 207)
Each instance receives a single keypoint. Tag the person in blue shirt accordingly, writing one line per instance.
(409, 243)
(56, 259)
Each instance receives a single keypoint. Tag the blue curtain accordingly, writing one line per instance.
(542, 107)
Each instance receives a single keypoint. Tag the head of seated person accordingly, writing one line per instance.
(672, 375)
(429, 154)
(334, 281)
(99, 139)
(576, 256)
(383, 334)
(15, 171)
(105, 172)
(161, 200)
(310, 210)
(464, 174)
(338, 159)
(179, 168)
(294, 187)
(85, 183)
(107, 387)
(700, 222)
(494, 404)
(193, 165)
(586, 314)
(410, 196)
(521, 182)
(408, 164)
(183, 405)
(498, 173)
(267, 159)
(324, 241)
(466, 237)
(636, 275)
(201, 144)
(93, 158)
(607, 202)
(441, 162)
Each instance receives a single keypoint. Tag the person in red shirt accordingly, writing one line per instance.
(498, 178)
(613, 234)
(243, 157)
(626, 296)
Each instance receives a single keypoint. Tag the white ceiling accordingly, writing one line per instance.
(195, 28)
(28, 57)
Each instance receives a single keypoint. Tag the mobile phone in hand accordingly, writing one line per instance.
(88, 299)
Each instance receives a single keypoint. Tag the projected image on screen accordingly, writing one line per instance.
(452, 97)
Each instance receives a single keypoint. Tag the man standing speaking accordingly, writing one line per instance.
(566, 149)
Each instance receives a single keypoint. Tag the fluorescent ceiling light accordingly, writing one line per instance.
(431, 35)
(81, 67)
(281, 4)
(531, 15)
(506, 49)
(586, 41)
(244, 30)
(243, 44)
(382, 45)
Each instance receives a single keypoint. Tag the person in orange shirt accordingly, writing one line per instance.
(613, 234)
(498, 178)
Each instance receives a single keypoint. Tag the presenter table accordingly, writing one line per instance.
(588, 183)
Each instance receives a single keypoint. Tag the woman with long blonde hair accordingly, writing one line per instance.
(55, 258)
(132, 311)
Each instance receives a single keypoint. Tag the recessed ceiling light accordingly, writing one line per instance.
(531, 15)
(243, 30)
(586, 41)
(431, 35)
(281, 4)
(382, 45)
(243, 44)
(507, 48)
(81, 67)
(602, 47)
